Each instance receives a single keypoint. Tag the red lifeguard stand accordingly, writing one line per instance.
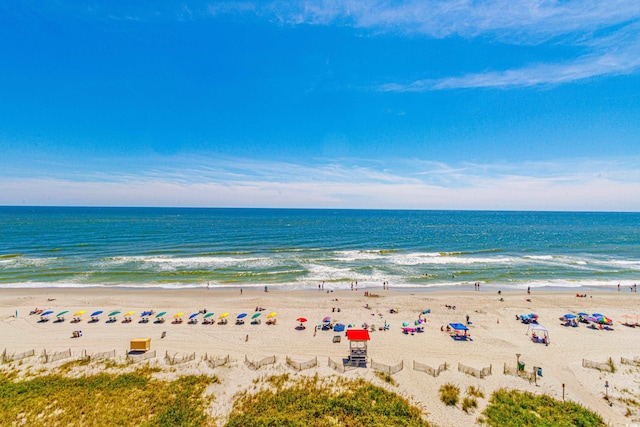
(358, 347)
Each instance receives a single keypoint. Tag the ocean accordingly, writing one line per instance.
(301, 248)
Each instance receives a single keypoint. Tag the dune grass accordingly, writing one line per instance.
(133, 398)
(510, 408)
(314, 403)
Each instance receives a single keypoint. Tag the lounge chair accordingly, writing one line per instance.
(256, 321)
(239, 322)
(271, 321)
(223, 322)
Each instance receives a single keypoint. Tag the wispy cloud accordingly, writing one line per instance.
(608, 31)
(353, 183)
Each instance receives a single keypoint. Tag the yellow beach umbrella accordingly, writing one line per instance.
(223, 315)
(129, 313)
(80, 313)
(272, 314)
(179, 315)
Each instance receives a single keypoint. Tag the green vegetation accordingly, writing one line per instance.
(312, 402)
(474, 392)
(510, 408)
(133, 398)
(469, 403)
(449, 394)
(386, 378)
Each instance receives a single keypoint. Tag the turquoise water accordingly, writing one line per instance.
(299, 248)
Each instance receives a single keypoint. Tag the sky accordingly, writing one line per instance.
(429, 104)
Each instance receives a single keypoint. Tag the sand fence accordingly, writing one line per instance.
(635, 361)
(54, 357)
(139, 357)
(605, 366)
(300, 366)
(98, 356)
(6, 358)
(178, 359)
(257, 365)
(340, 367)
(216, 361)
(478, 373)
(421, 367)
(387, 369)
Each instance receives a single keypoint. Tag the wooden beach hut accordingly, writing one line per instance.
(140, 344)
(358, 347)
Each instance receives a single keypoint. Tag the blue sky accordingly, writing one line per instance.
(428, 104)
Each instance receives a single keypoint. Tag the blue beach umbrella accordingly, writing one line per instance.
(146, 313)
(597, 315)
(569, 316)
(96, 313)
(241, 315)
(193, 315)
(583, 314)
(46, 313)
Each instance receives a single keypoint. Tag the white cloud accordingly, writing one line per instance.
(609, 32)
(563, 185)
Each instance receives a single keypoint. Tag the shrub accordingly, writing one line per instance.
(449, 394)
(510, 408)
(469, 403)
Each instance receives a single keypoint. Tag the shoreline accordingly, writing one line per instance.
(497, 337)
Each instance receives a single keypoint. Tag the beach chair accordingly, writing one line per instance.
(223, 322)
(271, 321)
(336, 338)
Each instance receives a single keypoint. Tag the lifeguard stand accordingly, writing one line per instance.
(358, 347)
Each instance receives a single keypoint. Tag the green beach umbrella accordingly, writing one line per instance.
(162, 313)
(113, 313)
(209, 314)
(62, 313)
(256, 315)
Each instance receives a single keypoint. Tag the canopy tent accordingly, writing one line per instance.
(460, 332)
(539, 333)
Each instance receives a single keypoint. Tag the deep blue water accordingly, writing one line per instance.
(299, 248)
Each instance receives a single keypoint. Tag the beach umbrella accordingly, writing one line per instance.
(272, 314)
(242, 315)
(209, 315)
(533, 315)
(327, 319)
(255, 316)
(114, 313)
(405, 324)
(146, 313)
(80, 313)
(129, 313)
(178, 315)
(46, 313)
(193, 315)
(162, 313)
(569, 316)
(591, 319)
(582, 313)
(62, 313)
(96, 313)
(301, 319)
(223, 315)
(597, 315)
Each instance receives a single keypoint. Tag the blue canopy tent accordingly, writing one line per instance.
(460, 332)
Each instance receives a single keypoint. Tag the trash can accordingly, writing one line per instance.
(520, 366)
(539, 372)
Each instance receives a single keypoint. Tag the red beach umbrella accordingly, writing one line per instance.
(301, 319)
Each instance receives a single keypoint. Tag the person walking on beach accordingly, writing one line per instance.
(240, 291)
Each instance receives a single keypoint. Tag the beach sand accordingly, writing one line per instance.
(497, 338)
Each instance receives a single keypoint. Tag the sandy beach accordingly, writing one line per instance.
(497, 337)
